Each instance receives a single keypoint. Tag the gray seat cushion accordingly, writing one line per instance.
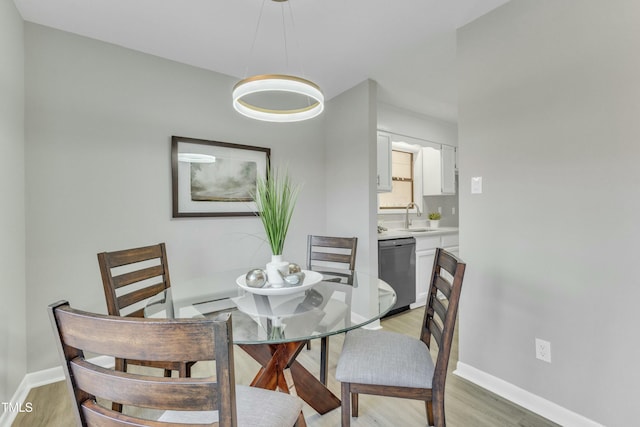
(384, 358)
(256, 407)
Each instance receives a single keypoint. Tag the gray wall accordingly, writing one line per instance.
(548, 116)
(12, 184)
(350, 171)
(99, 119)
(350, 154)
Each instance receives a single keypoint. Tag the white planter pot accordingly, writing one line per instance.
(274, 267)
(434, 223)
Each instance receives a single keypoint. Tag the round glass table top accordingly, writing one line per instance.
(341, 301)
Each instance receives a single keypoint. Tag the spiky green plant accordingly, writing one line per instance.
(434, 215)
(276, 198)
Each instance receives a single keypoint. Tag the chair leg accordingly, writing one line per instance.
(429, 406)
(438, 409)
(354, 404)
(324, 359)
(345, 406)
(309, 345)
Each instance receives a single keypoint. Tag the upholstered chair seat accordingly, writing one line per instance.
(385, 358)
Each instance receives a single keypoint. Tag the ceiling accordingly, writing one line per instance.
(407, 46)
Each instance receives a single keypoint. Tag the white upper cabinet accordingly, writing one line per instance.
(384, 163)
(448, 169)
(438, 170)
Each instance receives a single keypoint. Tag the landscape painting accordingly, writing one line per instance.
(214, 178)
(225, 180)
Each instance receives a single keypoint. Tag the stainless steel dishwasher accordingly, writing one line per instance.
(397, 267)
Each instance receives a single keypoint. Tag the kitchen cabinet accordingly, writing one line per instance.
(438, 170)
(425, 255)
(384, 163)
(424, 265)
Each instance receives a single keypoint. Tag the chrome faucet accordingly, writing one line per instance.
(407, 223)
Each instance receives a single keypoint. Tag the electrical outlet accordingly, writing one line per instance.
(453, 211)
(440, 210)
(543, 350)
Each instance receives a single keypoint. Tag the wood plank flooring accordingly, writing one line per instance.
(467, 405)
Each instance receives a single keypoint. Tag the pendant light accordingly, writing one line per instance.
(277, 97)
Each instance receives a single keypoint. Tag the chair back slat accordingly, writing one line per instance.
(138, 276)
(332, 242)
(440, 310)
(155, 339)
(127, 300)
(436, 331)
(78, 332)
(443, 286)
(145, 391)
(132, 256)
(331, 257)
(448, 262)
(96, 415)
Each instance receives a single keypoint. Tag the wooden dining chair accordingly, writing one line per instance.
(153, 401)
(392, 364)
(130, 277)
(335, 256)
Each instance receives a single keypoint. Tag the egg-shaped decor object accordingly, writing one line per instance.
(294, 268)
(256, 278)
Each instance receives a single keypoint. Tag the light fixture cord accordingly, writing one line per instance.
(284, 36)
(255, 37)
(296, 38)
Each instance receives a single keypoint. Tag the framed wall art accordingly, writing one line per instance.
(213, 178)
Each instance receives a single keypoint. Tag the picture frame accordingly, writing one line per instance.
(214, 178)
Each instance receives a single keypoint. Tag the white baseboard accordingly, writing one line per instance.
(521, 397)
(418, 304)
(40, 378)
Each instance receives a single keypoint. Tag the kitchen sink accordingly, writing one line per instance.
(417, 230)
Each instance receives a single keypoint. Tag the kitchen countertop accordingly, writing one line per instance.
(398, 233)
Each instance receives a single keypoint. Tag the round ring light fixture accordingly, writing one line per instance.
(311, 99)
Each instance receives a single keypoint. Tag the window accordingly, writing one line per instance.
(401, 181)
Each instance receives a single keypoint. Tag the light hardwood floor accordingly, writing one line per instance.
(467, 405)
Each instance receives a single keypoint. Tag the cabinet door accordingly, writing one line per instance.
(438, 170)
(448, 169)
(431, 171)
(384, 163)
(424, 266)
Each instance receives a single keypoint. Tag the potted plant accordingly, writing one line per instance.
(275, 198)
(434, 219)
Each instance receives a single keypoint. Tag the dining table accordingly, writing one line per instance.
(273, 323)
